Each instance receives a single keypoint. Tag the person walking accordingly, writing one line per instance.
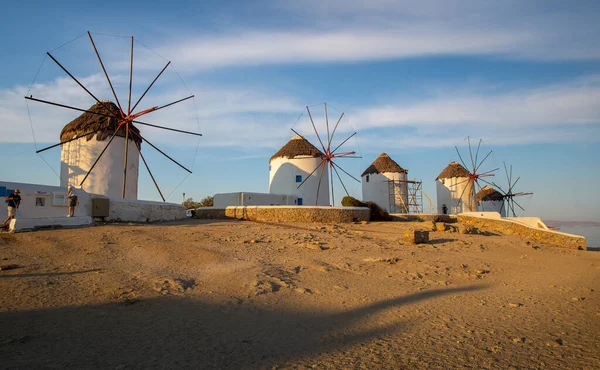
(14, 200)
(73, 201)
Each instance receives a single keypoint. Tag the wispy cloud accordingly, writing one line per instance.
(351, 31)
(261, 120)
(565, 112)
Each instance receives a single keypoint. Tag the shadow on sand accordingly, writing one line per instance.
(48, 274)
(175, 332)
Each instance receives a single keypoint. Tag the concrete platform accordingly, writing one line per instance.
(20, 224)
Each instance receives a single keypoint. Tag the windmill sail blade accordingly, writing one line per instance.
(343, 142)
(339, 178)
(137, 146)
(483, 160)
(105, 73)
(460, 157)
(310, 174)
(319, 185)
(125, 160)
(477, 200)
(67, 141)
(471, 154)
(335, 128)
(154, 109)
(477, 153)
(70, 107)
(338, 166)
(163, 153)
(167, 128)
(522, 194)
(495, 186)
(512, 206)
(327, 125)
(460, 199)
(149, 87)
(490, 171)
(77, 81)
(507, 178)
(331, 178)
(315, 128)
(130, 78)
(458, 183)
(518, 205)
(515, 183)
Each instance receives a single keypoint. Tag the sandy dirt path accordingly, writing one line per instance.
(243, 295)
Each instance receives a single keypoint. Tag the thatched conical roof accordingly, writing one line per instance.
(488, 193)
(454, 169)
(89, 122)
(296, 147)
(383, 164)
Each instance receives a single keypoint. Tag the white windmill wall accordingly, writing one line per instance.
(492, 206)
(78, 156)
(449, 191)
(376, 189)
(282, 179)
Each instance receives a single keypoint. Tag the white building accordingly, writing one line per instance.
(78, 156)
(223, 200)
(455, 190)
(384, 182)
(45, 206)
(292, 165)
(490, 200)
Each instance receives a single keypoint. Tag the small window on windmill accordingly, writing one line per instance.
(299, 201)
(59, 199)
(367, 178)
(298, 178)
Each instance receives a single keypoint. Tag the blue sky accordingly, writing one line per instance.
(413, 79)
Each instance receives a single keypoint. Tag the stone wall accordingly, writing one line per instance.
(511, 227)
(144, 211)
(287, 213)
(423, 218)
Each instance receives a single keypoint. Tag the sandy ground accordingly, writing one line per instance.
(243, 295)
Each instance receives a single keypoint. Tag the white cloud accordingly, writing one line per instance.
(261, 120)
(566, 104)
(351, 31)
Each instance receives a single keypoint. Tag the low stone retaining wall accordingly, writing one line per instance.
(512, 227)
(422, 217)
(20, 224)
(286, 213)
(144, 211)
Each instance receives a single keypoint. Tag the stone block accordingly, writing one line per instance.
(416, 236)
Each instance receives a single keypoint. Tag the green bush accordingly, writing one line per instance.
(189, 203)
(378, 213)
(349, 201)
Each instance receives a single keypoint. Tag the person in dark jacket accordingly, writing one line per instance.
(14, 200)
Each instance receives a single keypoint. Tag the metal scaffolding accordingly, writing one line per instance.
(405, 196)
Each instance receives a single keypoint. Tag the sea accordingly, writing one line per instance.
(591, 234)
